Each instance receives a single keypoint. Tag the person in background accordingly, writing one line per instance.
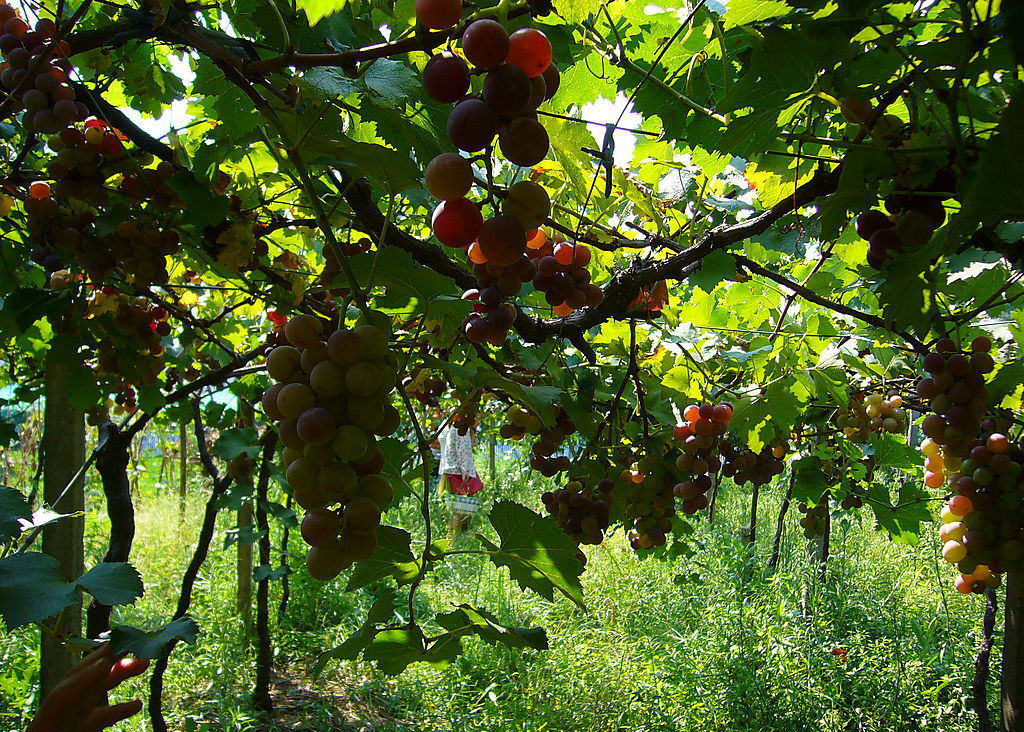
(79, 702)
(459, 480)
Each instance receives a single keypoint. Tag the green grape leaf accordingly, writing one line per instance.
(382, 610)
(235, 442)
(112, 583)
(317, 10)
(809, 482)
(391, 82)
(892, 451)
(467, 620)
(13, 509)
(153, 643)
(904, 518)
(32, 589)
(538, 554)
(393, 558)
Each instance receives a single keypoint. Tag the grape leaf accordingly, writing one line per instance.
(152, 643)
(382, 610)
(235, 442)
(467, 620)
(538, 554)
(13, 509)
(32, 589)
(112, 583)
(393, 558)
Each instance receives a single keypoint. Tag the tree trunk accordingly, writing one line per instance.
(64, 446)
(264, 650)
(182, 466)
(825, 540)
(112, 464)
(1012, 687)
(773, 560)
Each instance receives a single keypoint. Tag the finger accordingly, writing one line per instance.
(125, 669)
(107, 716)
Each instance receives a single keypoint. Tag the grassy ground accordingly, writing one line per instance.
(711, 643)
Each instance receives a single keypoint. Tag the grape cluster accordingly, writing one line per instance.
(562, 275)
(649, 486)
(700, 435)
(851, 501)
(520, 422)
(956, 393)
(872, 413)
(982, 523)
(815, 518)
(129, 332)
(150, 185)
(83, 161)
(517, 77)
(581, 512)
(913, 213)
(36, 71)
(423, 387)
(331, 401)
(747, 466)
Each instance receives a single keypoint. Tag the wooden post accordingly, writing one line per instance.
(752, 537)
(243, 563)
(773, 560)
(64, 447)
(1012, 686)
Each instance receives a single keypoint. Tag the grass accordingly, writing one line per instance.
(713, 642)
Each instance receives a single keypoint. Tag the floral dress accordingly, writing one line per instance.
(457, 466)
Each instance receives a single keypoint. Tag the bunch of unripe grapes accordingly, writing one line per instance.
(814, 521)
(582, 512)
(982, 523)
(955, 392)
(700, 434)
(872, 413)
(648, 487)
(83, 160)
(520, 422)
(331, 401)
(129, 332)
(562, 275)
(36, 71)
(746, 466)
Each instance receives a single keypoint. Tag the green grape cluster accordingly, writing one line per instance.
(331, 402)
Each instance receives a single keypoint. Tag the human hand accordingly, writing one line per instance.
(77, 703)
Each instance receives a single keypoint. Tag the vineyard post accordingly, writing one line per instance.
(243, 549)
(264, 649)
(64, 446)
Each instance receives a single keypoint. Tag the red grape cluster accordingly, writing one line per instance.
(956, 393)
(424, 388)
(83, 161)
(520, 422)
(331, 401)
(562, 275)
(581, 512)
(700, 434)
(150, 185)
(517, 76)
(129, 331)
(747, 466)
(36, 71)
(872, 413)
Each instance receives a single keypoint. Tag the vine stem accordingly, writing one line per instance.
(423, 447)
(634, 373)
